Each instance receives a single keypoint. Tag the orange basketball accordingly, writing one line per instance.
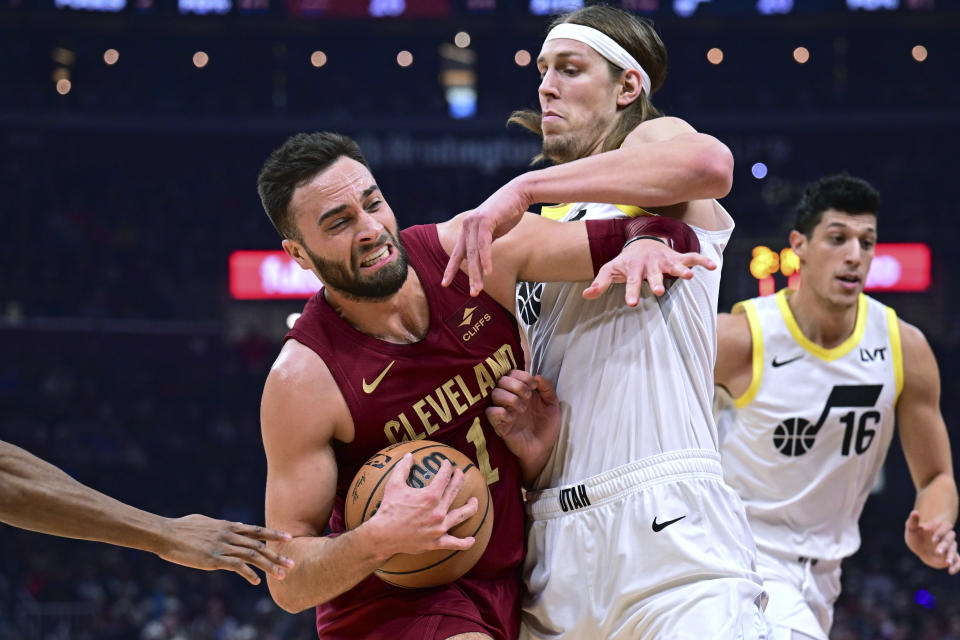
(430, 568)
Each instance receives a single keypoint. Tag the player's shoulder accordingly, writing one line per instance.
(912, 340)
(299, 375)
(299, 381)
(733, 331)
(659, 129)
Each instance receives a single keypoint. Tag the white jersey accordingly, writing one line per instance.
(811, 432)
(633, 382)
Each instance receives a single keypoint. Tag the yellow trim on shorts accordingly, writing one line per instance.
(556, 212)
(756, 337)
(633, 212)
(812, 347)
(893, 326)
(560, 211)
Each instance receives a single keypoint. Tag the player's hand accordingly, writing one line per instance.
(200, 542)
(645, 260)
(526, 414)
(479, 228)
(935, 543)
(411, 520)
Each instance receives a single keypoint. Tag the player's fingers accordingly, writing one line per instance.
(485, 242)
(953, 559)
(519, 385)
(400, 472)
(634, 283)
(523, 376)
(451, 483)
(945, 541)
(238, 566)
(600, 284)
(256, 532)
(256, 558)
(448, 541)
(940, 531)
(453, 264)
(500, 419)
(461, 514)
(272, 556)
(698, 260)
(509, 401)
(546, 390)
(655, 280)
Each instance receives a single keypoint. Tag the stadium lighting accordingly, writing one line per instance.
(522, 58)
(111, 56)
(715, 55)
(318, 59)
(462, 39)
(919, 53)
(801, 55)
(63, 86)
(404, 58)
(200, 59)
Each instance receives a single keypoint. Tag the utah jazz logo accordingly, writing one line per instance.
(528, 301)
(795, 436)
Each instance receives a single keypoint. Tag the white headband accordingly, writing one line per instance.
(602, 44)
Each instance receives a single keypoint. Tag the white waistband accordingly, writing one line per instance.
(611, 485)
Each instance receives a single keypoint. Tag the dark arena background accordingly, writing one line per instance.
(135, 341)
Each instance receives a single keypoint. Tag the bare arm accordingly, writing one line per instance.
(543, 250)
(38, 496)
(301, 413)
(926, 445)
(662, 162)
(734, 367)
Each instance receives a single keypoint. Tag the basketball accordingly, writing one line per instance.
(431, 568)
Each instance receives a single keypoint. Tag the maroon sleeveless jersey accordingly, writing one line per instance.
(435, 389)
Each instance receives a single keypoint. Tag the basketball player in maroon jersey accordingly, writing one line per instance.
(384, 353)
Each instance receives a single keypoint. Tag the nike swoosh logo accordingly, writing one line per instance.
(780, 364)
(657, 527)
(371, 387)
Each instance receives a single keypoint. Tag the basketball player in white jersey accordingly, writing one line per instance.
(818, 378)
(633, 533)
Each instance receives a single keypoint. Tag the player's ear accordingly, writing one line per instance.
(798, 242)
(630, 88)
(296, 251)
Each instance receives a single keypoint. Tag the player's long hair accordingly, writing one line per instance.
(638, 37)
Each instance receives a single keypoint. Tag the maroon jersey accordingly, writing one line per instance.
(435, 389)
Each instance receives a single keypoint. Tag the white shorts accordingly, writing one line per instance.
(657, 548)
(802, 592)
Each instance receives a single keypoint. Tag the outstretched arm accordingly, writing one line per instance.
(38, 496)
(929, 528)
(301, 483)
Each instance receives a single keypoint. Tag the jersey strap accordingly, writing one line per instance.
(893, 326)
(756, 337)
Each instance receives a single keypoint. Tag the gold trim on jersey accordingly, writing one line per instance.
(812, 347)
(756, 337)
(893, 326)
(559, 212)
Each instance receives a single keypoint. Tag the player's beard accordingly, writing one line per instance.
(565, 147)
(348, 281)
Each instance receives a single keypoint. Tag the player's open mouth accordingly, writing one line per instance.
(378, 257)
(849, 281)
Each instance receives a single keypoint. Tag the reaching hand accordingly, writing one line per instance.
(526, 414)
(417, 520)
(480, 227)
(648, 260)
(935, 543)
(204, 543)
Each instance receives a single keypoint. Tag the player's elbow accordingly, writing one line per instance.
(286, 598)
(715, 168)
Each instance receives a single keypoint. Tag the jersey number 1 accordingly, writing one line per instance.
(475, 435)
